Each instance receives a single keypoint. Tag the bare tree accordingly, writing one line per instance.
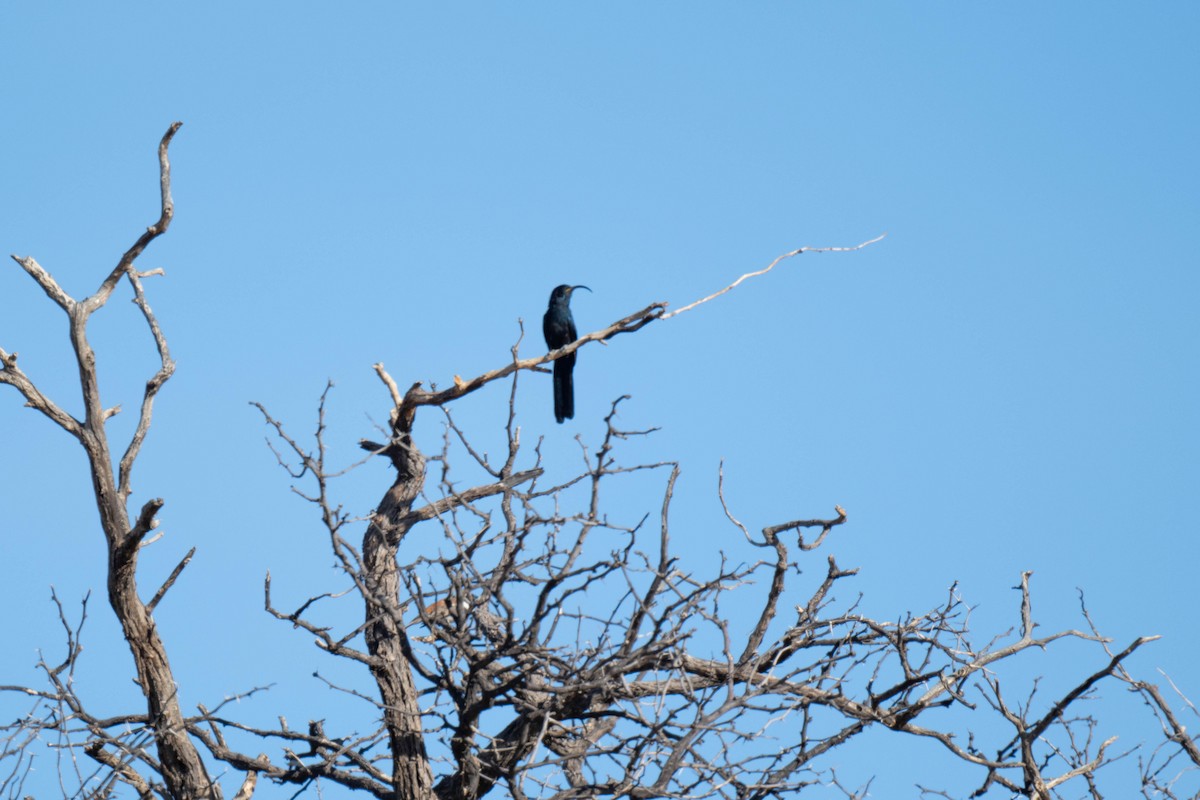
(555, 646)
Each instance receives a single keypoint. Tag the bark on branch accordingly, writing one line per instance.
(178, 763)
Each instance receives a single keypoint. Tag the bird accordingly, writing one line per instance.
(559, 328)
(441, 612)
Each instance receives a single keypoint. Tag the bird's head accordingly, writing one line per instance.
(562, 294)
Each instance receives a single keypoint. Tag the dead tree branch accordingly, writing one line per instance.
(771, 266)
(179, 763)
(567, 648)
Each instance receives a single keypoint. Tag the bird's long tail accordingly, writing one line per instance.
(564, 391)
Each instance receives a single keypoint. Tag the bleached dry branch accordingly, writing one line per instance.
(771, 266)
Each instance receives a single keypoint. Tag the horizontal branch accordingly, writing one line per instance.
(416, 396)
(404, 409)
(439, 507)
(365, 778)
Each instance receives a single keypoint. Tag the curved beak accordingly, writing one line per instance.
(573, 288)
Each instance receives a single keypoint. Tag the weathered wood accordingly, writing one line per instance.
(384, 632)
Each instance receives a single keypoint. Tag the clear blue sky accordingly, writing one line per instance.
(1008, 382)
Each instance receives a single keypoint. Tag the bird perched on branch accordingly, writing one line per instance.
(441, 612)
(559, 328)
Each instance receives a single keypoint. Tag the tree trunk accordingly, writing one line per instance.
(411, 776)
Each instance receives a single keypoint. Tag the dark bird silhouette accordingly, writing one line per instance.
(559, 328)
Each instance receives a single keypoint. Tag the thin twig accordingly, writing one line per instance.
(770, 267)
